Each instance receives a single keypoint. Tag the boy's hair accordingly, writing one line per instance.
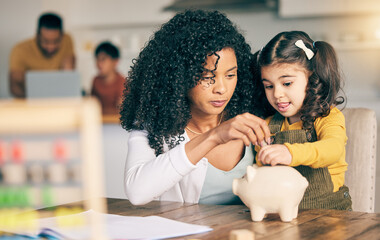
(324, 82)
(171, 64)
(109, 49)
(50, 21)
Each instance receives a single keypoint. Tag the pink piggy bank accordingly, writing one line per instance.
(277, 189)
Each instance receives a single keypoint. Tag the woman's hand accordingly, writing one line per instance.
(276, 154)
(247, 127)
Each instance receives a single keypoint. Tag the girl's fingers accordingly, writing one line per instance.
(274, 155)
(268, 155)
(261, 156)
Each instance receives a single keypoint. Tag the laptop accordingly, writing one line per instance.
(52, 84)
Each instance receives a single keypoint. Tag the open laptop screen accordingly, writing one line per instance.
(52, 84)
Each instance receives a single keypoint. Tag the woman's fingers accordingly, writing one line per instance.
(243, 133)
(251, 136)
(246, 140)
(247, 127)
(260, 130)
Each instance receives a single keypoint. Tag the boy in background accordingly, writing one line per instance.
(108, 86)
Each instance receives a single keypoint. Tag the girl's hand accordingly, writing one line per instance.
(247, 127)
(276, 154)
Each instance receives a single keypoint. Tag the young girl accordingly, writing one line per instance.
(300, 84)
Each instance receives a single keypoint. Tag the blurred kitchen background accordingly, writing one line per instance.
(351, 26)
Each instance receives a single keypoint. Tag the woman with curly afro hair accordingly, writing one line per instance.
(189, 108)
(300, 83)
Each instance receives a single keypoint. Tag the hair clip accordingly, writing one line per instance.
(309, 53)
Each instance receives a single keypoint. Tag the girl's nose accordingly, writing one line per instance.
(278, 93)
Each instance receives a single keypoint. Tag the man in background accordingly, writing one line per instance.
(51, 49)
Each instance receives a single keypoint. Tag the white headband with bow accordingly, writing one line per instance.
(309, 53)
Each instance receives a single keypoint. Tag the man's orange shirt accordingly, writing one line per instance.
(27, 56)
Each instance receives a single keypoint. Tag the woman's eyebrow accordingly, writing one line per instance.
(210, 70)
(231, 69)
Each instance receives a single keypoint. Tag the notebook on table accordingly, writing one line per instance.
(52, 84)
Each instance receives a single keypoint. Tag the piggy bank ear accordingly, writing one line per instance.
(250, 173)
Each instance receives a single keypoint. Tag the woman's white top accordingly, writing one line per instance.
(168, 177)
(217, 187)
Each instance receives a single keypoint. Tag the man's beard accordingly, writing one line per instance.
(46, 53)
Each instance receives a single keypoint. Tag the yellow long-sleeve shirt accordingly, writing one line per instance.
(328, 151)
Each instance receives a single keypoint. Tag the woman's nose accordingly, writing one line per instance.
(220, 86)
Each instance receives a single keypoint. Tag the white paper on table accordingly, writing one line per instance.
(120, 227)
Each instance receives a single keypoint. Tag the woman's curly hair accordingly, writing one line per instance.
(171, 63)
(325, 80)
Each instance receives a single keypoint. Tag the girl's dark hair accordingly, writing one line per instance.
(324, 82)
(170, 64)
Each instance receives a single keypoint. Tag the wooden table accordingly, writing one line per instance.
(310, 224)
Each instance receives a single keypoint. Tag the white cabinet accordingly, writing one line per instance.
(95, 13)
(319, 8)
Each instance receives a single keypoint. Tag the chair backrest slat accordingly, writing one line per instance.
(360, 177)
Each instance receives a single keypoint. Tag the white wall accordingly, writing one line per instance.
(360, 59)
(115, 146)
(18, 21)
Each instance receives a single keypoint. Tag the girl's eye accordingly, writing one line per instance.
(268, 86)
(231, 75)
(287, 84)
